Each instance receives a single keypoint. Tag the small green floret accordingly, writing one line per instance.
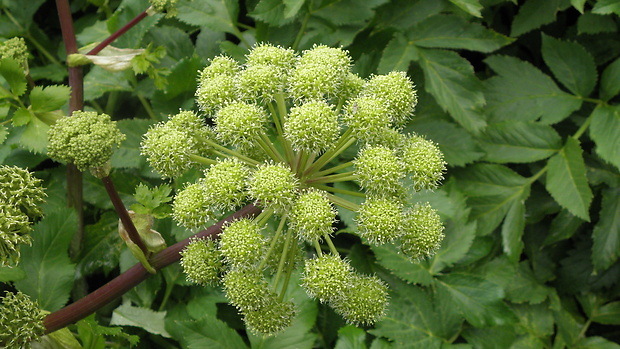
(241, 243)
(216, 92)
(272, 318)
(247, 289)
(169, 7)
(327, 277)
(320, 73)
(239, 123)
(380, 220)
(20, 190)
(266, 54)
(312, 216)
(312, 127)
(365, 302)
(367, 117)
(224, 184)
(21, 321)
(86, 139)
(16, 49)
(379, 171)
(397, 91)
(424, 161)
(14, 232)
(220, 65)
(422, 232)
(201, 262)
(274, 185)
(191, 208)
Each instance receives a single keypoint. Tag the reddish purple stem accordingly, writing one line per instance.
(118, 33)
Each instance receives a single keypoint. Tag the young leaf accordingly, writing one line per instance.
(13, 73)
(519, 142)
(46, 263)
(208, 332)
(610, 80)
(605, 7)
(535, 13)
(451, 80)
(567, 182)
(351, 337)
(488, 180)
(472, 7)
(522, 92)
(608, 314)
(512, 229)
(34, 136)
(151, 321)
(401, 266)
(571, 64)
(217, 15)
(578, 4)
(449, 31)
(606, 236)
(480, 301)
(49, 98)
(398, 54)
(605, 131)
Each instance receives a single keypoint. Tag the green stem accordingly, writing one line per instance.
(228, 152)
(263, 217)
(317, 247)
(332, 248)
(289, 270)
(339, 190)
(265, 143)
(339, 177)
(287, 243)
(344, 203)
(274, 116)
(272, 245)
(583, 127)
(301, 32)
(202, 160)
(342, 144)
(334, 169)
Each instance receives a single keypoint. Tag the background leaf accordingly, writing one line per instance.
(571, 64)
(519, 142)
(128, 315)
(606, 236)
(605, 131)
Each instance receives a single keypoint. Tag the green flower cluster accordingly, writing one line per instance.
(169, 7)
(20, 196)
(284, 125)
(21, 321)
(15, 48)
(86, 139)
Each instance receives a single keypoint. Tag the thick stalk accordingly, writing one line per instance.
(118, 33)
(132, 277)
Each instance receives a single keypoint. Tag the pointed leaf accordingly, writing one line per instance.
(519, 142)
(567, 182)
(606, 236)
(206, 333)
(535, 13)
(512, 229)
(563, 226)
(341, 12)
(147, 319)
(351, 337)
(99, 81)
(401, 266)
(450, 31)
(456, 144)
(217, 15)
(608, 314)
(480, 301)
(397, 55)
(450, 79)
(13, 73)
(489, 180)
(472, 7)
(610, 80)
(49, 98)
(605, 131)
(597, 342)
(523, 92)
(605, 7)
(46, 263)
(34, 137)
(578, 4)
(571, 64)
(524, 287)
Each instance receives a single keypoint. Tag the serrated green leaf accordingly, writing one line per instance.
(512, 229)
(571, 64)
(182, 78)
(21, 116)
(563, 226)
(128, 154)
(608, 314)
(524, 287)
(450, 31)
(13, 73)
(610, 80)
(147, 319)
(519, 142)
(578, 4)
(401, 266)
(99, 81)
(596, 342)
(273, 12)
(472, 7)
(397, 55)
(402, 14)
(605, 131)
(450, 79)
(535, 13)
(567, 326)
(605, 7)
(351, 337)
(490, 338)
(606, 236)
(456, 144)
(479, 301)
(567, 182)
(46, 263)
(102, 246)
(123, 15)
(206, 333)
(535, 320)
(489, 180)
(49, 98)
(489, 211)
(522, 92)
(346, 12)
(411, 321)
(217, 15)
(14, 273)
(590, 23)
(34, 137)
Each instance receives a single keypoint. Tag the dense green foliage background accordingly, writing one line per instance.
(522, 97)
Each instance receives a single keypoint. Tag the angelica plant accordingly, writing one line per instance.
(281, 125)
(21, 321)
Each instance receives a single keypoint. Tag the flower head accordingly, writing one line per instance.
(274, 185)
(364, 302)
(20, 190)
(312, 216)
(239, 123)
(379, 171)
(241, 243)
(424, 161)
(327, 277)
(191, 208)
(422, 232)
(16, 49)
(247, 289)
(14, 232)
(201, 261)
(380, 220)
(270, 319)
(224, 184)
(320, 73)
(312, 126)
(165, 6)
(21, 321)
(397, 91)
(86, 139)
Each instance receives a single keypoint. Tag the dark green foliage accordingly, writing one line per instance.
(523, 98)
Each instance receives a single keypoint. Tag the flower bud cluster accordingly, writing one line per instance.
(16, 49)
(21, 321)
(202, 262)
(287, 129)
(20, 196)
(86, 139)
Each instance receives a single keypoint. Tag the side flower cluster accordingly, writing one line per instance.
(20, 196)
(21, 321)
(283, 127)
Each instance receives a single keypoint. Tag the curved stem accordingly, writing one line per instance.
(118, 33)
(132, 277)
